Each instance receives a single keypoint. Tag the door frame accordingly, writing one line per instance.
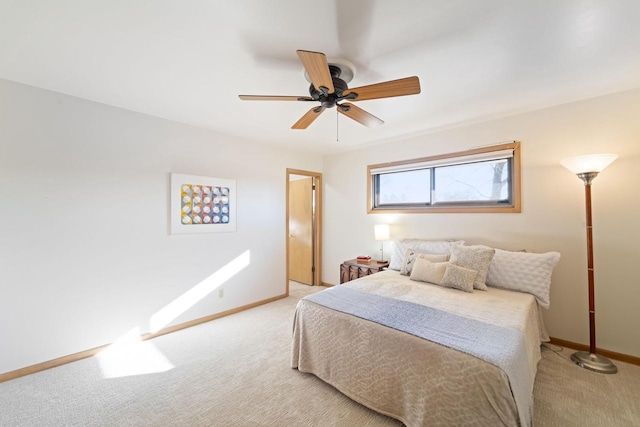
(317, 229)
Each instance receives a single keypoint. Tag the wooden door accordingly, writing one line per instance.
(301, 230)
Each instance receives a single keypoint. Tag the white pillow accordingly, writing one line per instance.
(425, 270)
(410, 256)
(398, 249)
(476, 258)
(523, 272)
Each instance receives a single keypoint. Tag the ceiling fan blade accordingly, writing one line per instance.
(308, 118)
(401, 87)
(318, 69)
(359, 115)
(274, 98)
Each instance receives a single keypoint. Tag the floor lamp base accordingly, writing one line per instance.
(594, 362)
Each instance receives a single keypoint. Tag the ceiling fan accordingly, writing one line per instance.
(330, 91)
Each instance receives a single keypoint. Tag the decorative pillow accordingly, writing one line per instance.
(458, 277)
(410, 256)
(398, 249)
(523, 272)
(476, 258)
(425, 270)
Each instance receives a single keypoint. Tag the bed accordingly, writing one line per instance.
(376, 339)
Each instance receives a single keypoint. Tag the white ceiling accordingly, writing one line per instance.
(188, 60)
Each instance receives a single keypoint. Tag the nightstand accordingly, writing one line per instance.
(354, 269)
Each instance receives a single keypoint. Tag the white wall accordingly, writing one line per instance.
(85, 252)
(553, 213)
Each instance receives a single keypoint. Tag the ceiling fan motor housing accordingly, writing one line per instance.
(329, 100)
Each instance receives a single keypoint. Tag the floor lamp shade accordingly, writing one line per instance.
(587, 168)
(590, 163)
(381, 232)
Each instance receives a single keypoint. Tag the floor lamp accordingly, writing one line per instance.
(587, 168)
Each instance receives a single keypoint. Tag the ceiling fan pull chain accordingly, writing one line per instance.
(337, 135)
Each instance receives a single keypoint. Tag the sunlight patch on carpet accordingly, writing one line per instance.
(130, 356)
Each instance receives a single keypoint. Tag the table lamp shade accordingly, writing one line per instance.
(381, 232)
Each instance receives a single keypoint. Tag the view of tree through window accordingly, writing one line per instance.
(482, 180)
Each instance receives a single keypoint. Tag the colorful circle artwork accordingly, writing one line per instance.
(203, 204)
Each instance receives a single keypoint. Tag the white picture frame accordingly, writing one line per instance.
(202, 204)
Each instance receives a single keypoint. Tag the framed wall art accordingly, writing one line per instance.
(201, 204)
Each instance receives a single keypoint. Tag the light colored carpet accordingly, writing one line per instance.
(235, 371)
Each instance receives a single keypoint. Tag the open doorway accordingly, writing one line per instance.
(304, 226)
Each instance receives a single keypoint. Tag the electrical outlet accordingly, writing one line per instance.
(220, 293)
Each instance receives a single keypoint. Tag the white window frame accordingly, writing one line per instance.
(504, 151)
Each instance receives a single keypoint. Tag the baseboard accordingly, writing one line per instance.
(328, 285)
(634, 360)
(606, 353)
(92, 352)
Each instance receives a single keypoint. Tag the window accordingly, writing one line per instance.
(481, 180)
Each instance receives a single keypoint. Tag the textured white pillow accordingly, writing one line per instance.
(523, 272)
(458, 277)
(410, 256)
(476, 258)
(398, 249)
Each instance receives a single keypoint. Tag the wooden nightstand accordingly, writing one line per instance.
(353, 269)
